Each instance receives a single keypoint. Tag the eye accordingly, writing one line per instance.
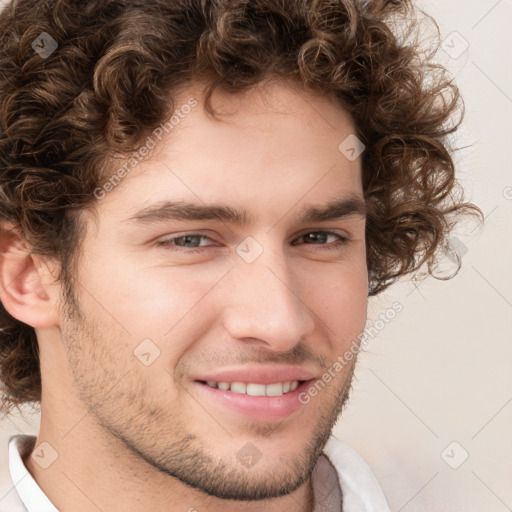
(321, 236)
(190, 243)
(184, 241)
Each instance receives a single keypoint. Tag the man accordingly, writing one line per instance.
(197, 201)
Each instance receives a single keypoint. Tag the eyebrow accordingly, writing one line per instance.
(182, 210)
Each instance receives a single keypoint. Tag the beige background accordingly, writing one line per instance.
(440, 372)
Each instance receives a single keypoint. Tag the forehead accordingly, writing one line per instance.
(277, 112)
(273, 144)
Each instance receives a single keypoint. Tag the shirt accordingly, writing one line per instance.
(342, 481)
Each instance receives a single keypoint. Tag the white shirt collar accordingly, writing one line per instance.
(33, 498)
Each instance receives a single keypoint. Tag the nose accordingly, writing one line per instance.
(268, 302)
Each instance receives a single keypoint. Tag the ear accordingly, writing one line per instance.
(27, 287)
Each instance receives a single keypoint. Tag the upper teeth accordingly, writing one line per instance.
(277, 389)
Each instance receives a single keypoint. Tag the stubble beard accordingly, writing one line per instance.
(145, 430)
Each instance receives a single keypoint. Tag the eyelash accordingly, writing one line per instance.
(168, 243)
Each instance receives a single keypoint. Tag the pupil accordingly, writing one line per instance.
(316, 236)
(188, 238)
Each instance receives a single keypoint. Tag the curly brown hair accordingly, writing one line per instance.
(115, 75)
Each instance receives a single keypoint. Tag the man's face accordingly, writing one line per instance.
(159, 317)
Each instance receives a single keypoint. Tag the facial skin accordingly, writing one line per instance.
(134, 437)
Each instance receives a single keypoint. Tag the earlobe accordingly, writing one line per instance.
(26, 291)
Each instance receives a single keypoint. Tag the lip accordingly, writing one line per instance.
(259, 408)
(260, 374)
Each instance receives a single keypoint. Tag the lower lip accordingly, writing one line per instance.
(262, 408)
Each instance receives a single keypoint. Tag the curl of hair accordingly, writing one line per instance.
(114, 78)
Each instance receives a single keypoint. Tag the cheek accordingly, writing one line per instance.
(158, 302)
(339, 297)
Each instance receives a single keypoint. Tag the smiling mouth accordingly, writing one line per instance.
(254, 388)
